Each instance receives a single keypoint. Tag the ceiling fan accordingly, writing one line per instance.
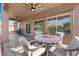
(16, 18)
(33, 6)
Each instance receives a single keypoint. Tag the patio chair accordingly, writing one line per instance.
(72, 48)
(53, 46)
(18, 50)
(29, 49)
(60, 34)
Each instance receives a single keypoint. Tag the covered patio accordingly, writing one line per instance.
(32, 20)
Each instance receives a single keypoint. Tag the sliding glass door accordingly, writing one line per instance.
(28, 28)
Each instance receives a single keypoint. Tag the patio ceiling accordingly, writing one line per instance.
(18, 9)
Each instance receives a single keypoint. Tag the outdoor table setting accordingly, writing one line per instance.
(47, 40)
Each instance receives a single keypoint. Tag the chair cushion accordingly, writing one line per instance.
(39, 52)
(74, 43)
(61, 34)
(32, 47)
(37, 44)
(59, 52)
(18, 49)
(52, 49)
(24, 40)
(63, 46)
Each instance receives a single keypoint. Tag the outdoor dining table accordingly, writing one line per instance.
(47, 40)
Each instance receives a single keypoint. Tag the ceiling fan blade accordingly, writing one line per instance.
(11, 18)
(30, 4)
(36, 4)
(38, 8)
(17, 18)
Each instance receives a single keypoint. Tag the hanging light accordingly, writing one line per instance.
(32, 8)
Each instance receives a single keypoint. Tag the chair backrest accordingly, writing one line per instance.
(25, 47)
(37, 33)
(74, 43)
(24, 40)
(61, 34)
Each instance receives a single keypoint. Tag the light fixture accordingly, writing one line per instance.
(33, 6)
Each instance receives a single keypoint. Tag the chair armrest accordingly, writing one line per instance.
(68, 49)
(41, 45)
(72, 49)
(63, 45)
(31, 41)
(37, 48)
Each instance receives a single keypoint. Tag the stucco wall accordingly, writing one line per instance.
(76, 21)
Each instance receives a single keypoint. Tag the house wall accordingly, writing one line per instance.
(76, 21)
(74, 8)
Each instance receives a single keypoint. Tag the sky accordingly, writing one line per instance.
(0, 12)
(0, 8)
(59, 22)
(10, 22)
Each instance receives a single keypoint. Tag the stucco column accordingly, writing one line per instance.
(76, 20)
(20, 24)
(45, 25)
(15, 26)
(32, 27)
(5, 25)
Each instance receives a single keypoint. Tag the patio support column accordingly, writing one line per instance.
(32, 27)
(45, 25)
(15, 26)
(5, 25)
(20, 24)
(76, 21)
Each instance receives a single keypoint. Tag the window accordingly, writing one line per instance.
(28, 28)
(63, 24)
(59, 23)
(39, 26)
(51, 25)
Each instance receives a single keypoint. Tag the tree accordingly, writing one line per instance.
(66, 27)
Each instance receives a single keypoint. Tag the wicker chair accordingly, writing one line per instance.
(29, 49)
(72, 48)
(60, 34)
